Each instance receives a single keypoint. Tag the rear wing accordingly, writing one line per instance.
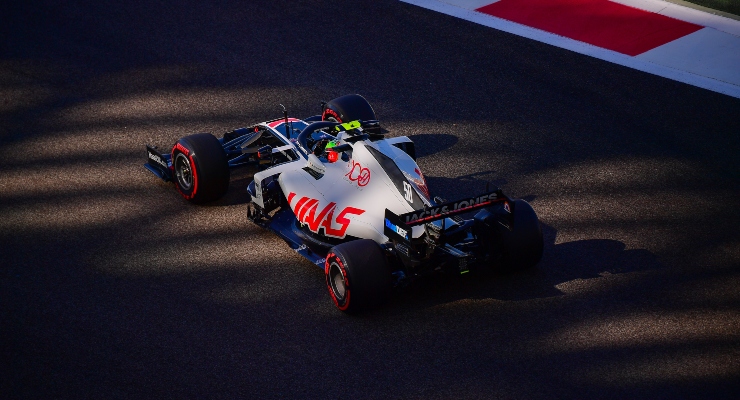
(398, 227)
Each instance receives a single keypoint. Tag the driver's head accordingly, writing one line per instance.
(320, 144)
(331, 155)
(331, 144)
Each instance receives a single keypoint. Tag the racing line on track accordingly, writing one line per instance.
(664, 39)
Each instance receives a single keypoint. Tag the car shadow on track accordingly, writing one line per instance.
(471, 184)
(563, 266)
(427, 144)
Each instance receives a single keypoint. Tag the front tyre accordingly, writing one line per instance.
(358, 275)
(201, 168)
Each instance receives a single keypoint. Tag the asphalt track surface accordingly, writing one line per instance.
(112, 286)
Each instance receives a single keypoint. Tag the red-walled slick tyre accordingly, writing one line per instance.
(348, 108)
(201, 168)
(358, 275)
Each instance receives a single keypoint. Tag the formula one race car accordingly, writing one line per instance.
(353, 202)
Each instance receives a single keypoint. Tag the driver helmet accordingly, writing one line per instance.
(332, 156)
(331, 144)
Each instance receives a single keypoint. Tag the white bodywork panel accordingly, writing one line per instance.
(349, 197)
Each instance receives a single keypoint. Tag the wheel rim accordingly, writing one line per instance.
(337, 282)
(183, 171)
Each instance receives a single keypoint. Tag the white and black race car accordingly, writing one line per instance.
(353, 202)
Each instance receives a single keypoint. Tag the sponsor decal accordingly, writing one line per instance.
(182, 148)
(309, 213)
(358, 173)
(395, 228)
(157, 159)
(439, 211)
(331, 113)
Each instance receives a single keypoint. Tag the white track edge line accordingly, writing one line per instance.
(580, 47)
(686, 14)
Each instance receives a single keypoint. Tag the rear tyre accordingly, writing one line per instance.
(521, 246)
(358, 275)
(201, 168)
(348, 108)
